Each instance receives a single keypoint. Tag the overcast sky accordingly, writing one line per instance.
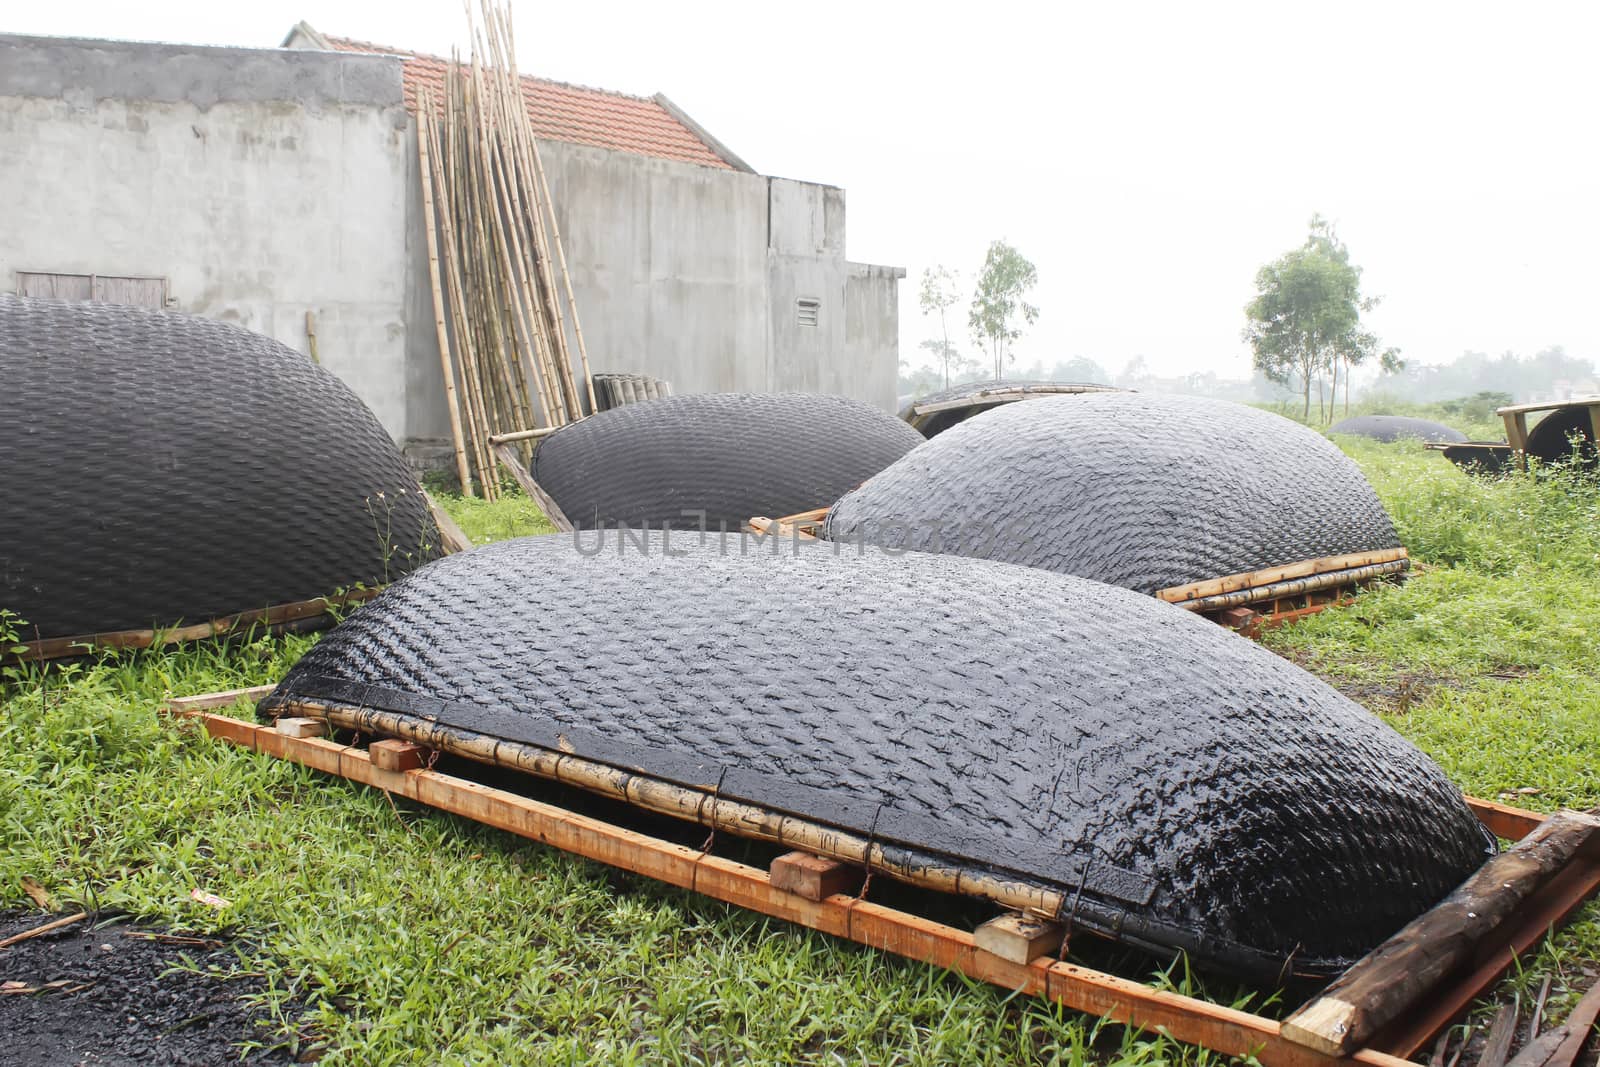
(1147, 158)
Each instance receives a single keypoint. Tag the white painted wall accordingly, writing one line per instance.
(262, 184)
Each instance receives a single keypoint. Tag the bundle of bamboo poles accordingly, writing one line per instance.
(495, 259)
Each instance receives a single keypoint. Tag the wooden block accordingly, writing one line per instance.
(392, 755)
(1237, 618)
(1019, 938)
(301, 727)
(813, 877)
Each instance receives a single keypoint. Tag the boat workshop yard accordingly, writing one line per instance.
(366, 929)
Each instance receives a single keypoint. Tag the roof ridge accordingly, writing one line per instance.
(371, 46)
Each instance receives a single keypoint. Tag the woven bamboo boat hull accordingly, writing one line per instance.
(1149, 775)
(1141, 491)
(163, 469)
(715, 459)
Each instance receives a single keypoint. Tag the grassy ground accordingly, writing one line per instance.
(421, 938)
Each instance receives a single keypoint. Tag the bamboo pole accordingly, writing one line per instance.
(524, 213)
(523, 435)
(1294, 586)
(448, 172)
(521, 126)
(495, 254)
(424, 161)
(561, 253)
(528, 359)
(496, 225)
(491, 249)
(541, 358)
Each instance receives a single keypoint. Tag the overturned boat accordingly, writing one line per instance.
(1479, 457)
(167, 475)
(937, 412)
(713, 460)
(1566, 435)
(1026, 737)
(1152, 493)
(1391, 428)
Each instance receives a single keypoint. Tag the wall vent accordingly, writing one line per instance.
(807, 310)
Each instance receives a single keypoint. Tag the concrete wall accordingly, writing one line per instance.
(872, 329)
(692, 274)
(262, 184)
(265, 184)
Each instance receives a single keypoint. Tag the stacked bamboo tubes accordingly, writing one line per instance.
(502, 294)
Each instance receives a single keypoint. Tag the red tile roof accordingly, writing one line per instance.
(572, 113)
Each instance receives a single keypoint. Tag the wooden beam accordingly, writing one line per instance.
(293, 726)
(1225, 1030)
(1517, 434)
(760, 524)
(1548, 405)
(1240, 618)
(547, 504)
(1392, 977)
(813, 877)
(1504, 821)
(225, 699)
(1549, 907)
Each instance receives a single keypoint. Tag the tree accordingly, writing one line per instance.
(941, 288)
(1304, 325)
(998, 302)
(1135, 373)
(1080, 369)
(948, 358)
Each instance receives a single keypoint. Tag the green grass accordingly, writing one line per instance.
(422, 938)
(513, 515)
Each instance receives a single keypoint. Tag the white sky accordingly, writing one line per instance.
(1147, 157)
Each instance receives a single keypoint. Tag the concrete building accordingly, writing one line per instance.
(279, 189)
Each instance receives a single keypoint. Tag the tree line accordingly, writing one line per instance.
(1304, 327)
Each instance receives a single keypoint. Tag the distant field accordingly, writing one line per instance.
(422, 938)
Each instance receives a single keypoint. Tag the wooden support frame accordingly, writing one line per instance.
(301, 614)
(1516, 421)
(1225, 1030)
(804, 526)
